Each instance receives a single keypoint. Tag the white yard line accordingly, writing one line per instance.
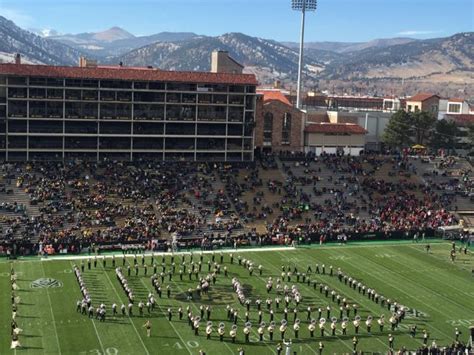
(149, 253)
(195, 307)
(95, 327)
(133, 324)
(163, 312)
(410, 296)
(52, 314)
(98, 337)
(276, 267)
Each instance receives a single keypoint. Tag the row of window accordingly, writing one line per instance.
(54, 109)
(116, 156)
(126, 96)
(92, 143)
(126, 128)
(121, 84)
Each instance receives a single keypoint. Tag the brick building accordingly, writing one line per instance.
(279, 125)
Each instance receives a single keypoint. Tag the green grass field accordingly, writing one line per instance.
(442, 291)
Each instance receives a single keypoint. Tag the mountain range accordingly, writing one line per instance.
(379, 65)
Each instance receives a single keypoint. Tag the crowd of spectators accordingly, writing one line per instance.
(274, 200)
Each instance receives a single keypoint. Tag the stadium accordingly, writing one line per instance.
(138, 217)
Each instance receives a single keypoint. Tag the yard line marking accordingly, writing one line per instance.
(370, 308)
(95, 327)
(276, 267)
(172, 326)
(431, 291)
(133, 324)
(196, 308)
(435, 254)
(98, 337)
(52, 314)
(399, 289)
(428, 275)
(149, 253)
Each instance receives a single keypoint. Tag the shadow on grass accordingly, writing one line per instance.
(31, 336)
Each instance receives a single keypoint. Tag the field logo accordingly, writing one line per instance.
(46, 283)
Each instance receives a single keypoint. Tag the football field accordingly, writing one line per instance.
(441, 292)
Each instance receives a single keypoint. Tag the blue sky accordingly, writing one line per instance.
(335, 20)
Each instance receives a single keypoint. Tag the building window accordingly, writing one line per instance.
(409, 108)
(268, 128)
(286, 129)
(454, 108)
(416, 108)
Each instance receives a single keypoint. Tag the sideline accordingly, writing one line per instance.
(242, 250)
(149, 253)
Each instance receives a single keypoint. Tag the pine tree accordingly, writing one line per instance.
(422, 123)
(399, 129)
(445, 135)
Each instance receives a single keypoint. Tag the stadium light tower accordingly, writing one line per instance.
(303, 6)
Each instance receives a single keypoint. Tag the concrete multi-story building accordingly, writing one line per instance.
(121, 113)
(352, 103)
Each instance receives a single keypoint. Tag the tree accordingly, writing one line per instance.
(422, 123)
(398, 130)
(470, 136)
(445, 135)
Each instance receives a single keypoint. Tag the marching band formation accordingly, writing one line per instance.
(255, 319)
(16, 300)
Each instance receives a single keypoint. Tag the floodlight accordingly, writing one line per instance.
(307, 5)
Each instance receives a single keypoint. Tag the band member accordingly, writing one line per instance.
(381, 322)
(261, 331)
(270, 329)
(147, 325)
(356, 323)
(368, 324)
(209, 330)
(296, 328)
(312, 328)
(247, 332)
(344, 327)
(390, 341)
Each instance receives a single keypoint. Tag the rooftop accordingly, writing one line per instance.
(274, 95)
(126, 73)
(422, 97)
(456, 99)
(335, 128)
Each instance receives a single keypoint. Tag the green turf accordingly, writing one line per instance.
(430, 283)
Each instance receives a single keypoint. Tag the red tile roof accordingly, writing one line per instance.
(274, 95)
(422, 97)
(456, 100)
(463, 119)
(335, 128)
(124, 73)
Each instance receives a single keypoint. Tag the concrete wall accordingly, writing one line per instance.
(322, 140)
(222, 63)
